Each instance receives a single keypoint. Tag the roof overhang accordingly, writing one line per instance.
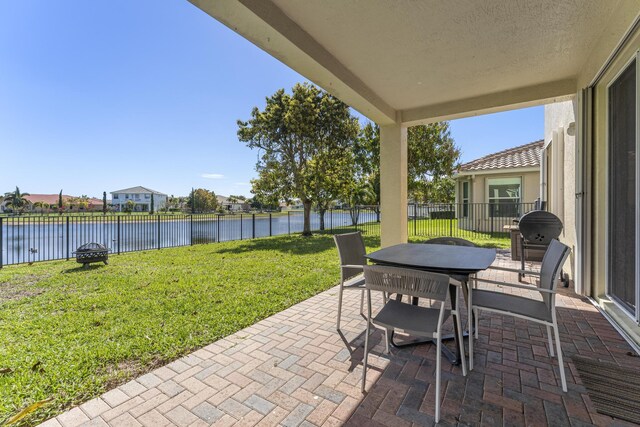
(501, 171)
(416, 62)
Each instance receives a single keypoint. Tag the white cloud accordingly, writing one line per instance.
(212, 175)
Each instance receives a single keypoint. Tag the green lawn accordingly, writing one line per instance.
(71, 334)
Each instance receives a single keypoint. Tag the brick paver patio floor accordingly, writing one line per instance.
(294, 369)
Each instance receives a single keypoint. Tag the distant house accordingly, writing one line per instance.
(499, 185)
(141, 197)
(233, 205)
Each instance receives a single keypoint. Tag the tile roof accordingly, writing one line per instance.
(527, 155)
(138, 190)
(52, 199)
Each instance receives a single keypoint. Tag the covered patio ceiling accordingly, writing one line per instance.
(412, 62)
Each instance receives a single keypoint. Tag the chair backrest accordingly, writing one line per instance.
(552, 263)
(453, 241)
(352, 252)
(415, 283)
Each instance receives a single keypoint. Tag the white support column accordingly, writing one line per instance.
(393, 184)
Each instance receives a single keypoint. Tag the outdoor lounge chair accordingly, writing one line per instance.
(540, 311)
(413, 319)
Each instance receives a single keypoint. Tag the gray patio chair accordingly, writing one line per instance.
(540, 311)
(413, 319)
(352, 253)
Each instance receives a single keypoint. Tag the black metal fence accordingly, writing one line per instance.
(465, 220)
(27, 239)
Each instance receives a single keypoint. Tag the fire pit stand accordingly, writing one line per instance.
(92, 252)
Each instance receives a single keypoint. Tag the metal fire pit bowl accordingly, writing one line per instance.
(92, 252)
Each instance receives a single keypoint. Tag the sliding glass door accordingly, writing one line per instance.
(622, 239)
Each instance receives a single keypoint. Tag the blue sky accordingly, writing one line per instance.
(107, 94)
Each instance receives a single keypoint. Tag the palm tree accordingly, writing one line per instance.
(362, 193)
(17, 200)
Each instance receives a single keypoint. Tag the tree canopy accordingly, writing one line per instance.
(16, 200)
(432, 159)
(202, 200)
(305, 139)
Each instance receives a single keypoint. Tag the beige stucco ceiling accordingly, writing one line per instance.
(411, 61)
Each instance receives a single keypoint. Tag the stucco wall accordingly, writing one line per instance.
(530, 185)
(557, 119)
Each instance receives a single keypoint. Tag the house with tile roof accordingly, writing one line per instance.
(499, 185)
(141, 197)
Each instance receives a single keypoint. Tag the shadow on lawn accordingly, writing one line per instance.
(81, 268)
(294, 244)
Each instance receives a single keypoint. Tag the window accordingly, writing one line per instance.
(147, 196)
(465, 199)
(115, 197)
(504, 197)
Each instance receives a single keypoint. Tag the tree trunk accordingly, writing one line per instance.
(321, 212)
(306, 230)
(355, 213)
(377, 208)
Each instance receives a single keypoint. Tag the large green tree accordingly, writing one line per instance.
(305, 140)
(202, 200)
(433, 157)
(16, 200)
(367, 171)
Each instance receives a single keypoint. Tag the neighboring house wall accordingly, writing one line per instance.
(477, 216)
(559, 169)
(142, 200)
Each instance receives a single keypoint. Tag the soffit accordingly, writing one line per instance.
(413, 53)
(414, 61)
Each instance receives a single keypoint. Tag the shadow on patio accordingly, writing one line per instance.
(294, 369)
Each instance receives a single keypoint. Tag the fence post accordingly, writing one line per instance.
(1, 240)
(67, 238)
(118, 230)
(415, 219)
(331, 219)
(158, 232)
(491, 214)
(289, 221)
(253, 226)
(270, 231)
(240, 226)
(191, 229)
(218, 228)
(451, 221)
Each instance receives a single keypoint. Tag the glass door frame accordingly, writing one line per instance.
(635, 316)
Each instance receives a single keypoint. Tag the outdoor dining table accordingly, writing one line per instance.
(456, 261)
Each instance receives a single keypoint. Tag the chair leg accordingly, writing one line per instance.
(362, 303)
(461, 345)
(366, 355)
(563, 379)
(477, 322)
(386, 341)
(470, 323)
(551, 352)
(438, 357)
(339, 307)
(470, 346)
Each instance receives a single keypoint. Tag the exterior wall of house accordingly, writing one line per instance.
(600, 193)
(560, 172)
(142, 201)
(479, 218)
